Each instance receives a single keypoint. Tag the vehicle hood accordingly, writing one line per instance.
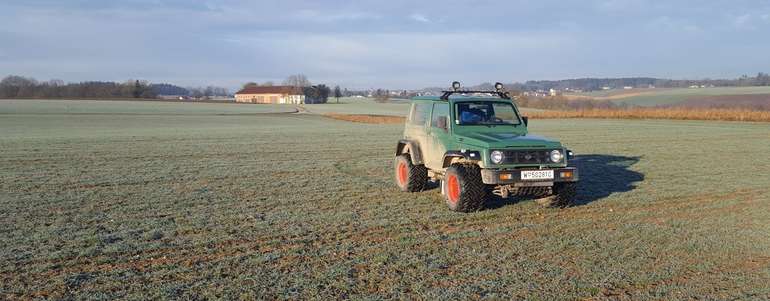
(507, 140)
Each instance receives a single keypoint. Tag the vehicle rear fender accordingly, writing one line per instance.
(411, 148)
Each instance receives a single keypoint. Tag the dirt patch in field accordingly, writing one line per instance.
(364, 118)
(748, 101)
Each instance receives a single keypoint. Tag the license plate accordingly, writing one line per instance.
(537, 174)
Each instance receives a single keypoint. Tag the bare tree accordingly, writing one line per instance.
(337, 93)
(196, 93)
(219, 91)
(268, 84)
(297, 80)
(208, 92)
(381, 95)
(17, 86)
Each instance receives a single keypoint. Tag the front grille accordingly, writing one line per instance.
(527, 157)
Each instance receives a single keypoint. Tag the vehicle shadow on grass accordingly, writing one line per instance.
(600, 176)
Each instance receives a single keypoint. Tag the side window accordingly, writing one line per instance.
(440, 116)
(420, 114)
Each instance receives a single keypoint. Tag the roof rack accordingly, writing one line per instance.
(501, 94)
(456, 90)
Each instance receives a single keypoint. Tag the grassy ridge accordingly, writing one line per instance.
(657, 97)
(677, 113)
(301, 206)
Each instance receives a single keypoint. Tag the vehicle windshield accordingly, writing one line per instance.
(486, 113)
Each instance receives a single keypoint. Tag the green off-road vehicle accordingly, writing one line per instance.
(476, 143)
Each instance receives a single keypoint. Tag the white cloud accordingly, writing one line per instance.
(366, 43)
(419, 18)
(669, 24)
(318, 16)
(744, 21)
(623, 6)
(409, 60)
(691, 28)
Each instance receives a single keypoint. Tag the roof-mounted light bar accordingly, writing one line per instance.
(456, 90)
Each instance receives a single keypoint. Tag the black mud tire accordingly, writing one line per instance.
(464, 191)
(409, 177)
(563, 196)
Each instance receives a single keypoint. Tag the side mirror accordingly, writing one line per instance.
(526, 120)
(441, 123)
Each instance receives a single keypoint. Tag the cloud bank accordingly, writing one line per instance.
(390, 44)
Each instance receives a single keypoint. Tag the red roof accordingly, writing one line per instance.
(289, 90)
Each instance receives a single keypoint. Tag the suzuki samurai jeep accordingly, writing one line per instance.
(476, 143)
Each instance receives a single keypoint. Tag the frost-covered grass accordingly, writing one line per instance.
(126, 107)
(201, 205)
(352, 105)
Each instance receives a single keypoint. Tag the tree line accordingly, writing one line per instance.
(207, 92)
(15, 86)
(23, 87)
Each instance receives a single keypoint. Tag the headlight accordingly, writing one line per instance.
(496, 156)
(556, 156)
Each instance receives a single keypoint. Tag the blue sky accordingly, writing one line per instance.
(391, 44)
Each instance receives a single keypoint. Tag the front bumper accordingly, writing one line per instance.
(496, 177)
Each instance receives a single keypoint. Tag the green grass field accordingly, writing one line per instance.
(655, 97)
(166, 203)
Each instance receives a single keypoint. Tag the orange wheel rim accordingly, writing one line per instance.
(401, 173)
(453, 189)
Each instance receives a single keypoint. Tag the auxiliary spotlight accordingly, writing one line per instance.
(456, 86)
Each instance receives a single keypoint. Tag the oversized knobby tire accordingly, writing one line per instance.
(563, 195)
(464, 190)
(410, 177)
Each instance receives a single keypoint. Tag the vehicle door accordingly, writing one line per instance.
(416, 126)
(438, 135)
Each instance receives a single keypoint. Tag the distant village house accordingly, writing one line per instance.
(271, 94)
